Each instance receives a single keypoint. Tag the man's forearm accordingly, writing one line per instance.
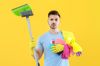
(39, 53)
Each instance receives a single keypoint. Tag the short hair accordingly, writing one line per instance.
(53, 12)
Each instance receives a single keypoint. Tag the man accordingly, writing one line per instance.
(51, 52)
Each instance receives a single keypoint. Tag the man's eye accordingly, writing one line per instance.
(51, 19)
(56, 19)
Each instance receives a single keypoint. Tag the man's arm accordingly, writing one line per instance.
(39, 53)
(39, 48)
(70, 39)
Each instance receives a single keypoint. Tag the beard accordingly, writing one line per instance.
(53, 26)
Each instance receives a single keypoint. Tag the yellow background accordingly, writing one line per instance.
(79, 16)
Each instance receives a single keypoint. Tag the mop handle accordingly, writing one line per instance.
(30, 32)
(29, 28)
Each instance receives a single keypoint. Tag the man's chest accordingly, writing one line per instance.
(47, 42)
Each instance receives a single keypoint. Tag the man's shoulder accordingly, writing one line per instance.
(43, 35)
(66, 32)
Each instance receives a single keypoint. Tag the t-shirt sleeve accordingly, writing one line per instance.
(40, 44)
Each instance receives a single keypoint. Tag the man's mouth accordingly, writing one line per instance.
(53, 26)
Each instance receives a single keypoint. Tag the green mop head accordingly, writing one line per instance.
(22, 9)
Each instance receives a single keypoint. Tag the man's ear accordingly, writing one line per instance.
(48, 23)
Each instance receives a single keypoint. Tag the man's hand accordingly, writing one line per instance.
(57, 48)
(32, 45)
(78, 53)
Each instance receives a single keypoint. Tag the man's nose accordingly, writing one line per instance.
(54, 21)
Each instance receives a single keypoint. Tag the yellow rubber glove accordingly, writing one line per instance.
(68, 36)
(57, 48)
(76, 46)
(70, 39)
(32, 46)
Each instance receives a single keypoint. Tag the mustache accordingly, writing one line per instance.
(53, 24)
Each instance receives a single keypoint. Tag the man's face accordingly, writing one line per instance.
(53, 21)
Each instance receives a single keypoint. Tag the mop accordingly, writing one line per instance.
(26, 11)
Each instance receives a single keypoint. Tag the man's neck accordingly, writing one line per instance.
(54, 31)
